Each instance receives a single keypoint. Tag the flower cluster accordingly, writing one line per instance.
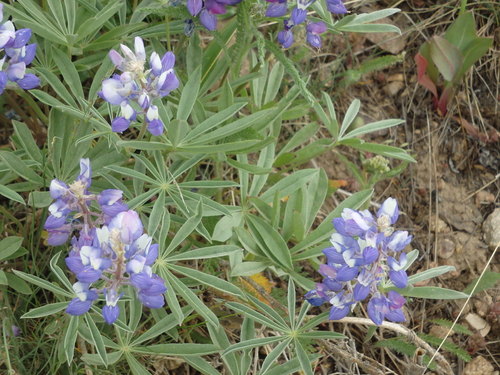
(279, 8)
(136, 88)
(111, 249)
(365, 249)
(208, 10)
(15, 55)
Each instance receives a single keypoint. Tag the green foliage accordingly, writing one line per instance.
(223, 191)
(450, 56)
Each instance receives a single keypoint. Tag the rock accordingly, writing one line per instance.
(491, 229)
(437, 225)
(455, 209)
(479, 366)
(484, 197)
(446, 247)
(392, 88)
(478, 323)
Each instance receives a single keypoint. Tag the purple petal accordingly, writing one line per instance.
(110, 313)
(152, 254)
(337, 313)
(141, 280)
(399, 278)
(276, 10)
(120, 124)
(155, 127)
(285, 38)
(153, 302)
(30, 81)
(22, 37)
(298, 15)
(336, 6)
(194, 6)
(316, 27)
(346, 273)
(88, 275)
(370, 255)
(361, 292)
(208, 20)
(78, 307)
(313, 40)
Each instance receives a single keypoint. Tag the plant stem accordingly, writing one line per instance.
(463, 4)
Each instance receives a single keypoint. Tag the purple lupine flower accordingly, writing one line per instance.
(207, 11)
(136, 86)
(314, 29)
(365, 250)
(110, 248)
(298, 16)
(336, 6)
(16, 56)
(277, 9)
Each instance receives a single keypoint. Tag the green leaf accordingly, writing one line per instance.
(11, 194)
(201, 365)
(145, 145)
(178, 349)
(68, 71)
(70, 338)
(162, 326)
(274, 354)
(9, 246)
(208, 280)
(349, 117)
(446, 56)
(213, 121)
(192, 299)
(57, 85)
(384, 150)
(136, 367)
(462, 31)
(430, 292)
(252, 343)
(127, 172)
(27, 141)
(290, 184)
(205, 253)
(42, 283)
(156, 214)
(189, 95)
(97, 339)
(93, 24)
(42, 311)
(17, 283)
(429, 274)
(186, 230)
(3, 278)
(270, 241)
(257, 316)
(489, 280)
(20, 168)
(372, 127)
(305, 363)
(40, 199)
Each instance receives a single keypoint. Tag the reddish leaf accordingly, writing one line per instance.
(474, 132)
(422, 76)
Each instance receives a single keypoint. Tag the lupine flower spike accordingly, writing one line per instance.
(298, 15)
(15, 56)
(136, 88)
(365, 250)
(207, 10)
(110, 249)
